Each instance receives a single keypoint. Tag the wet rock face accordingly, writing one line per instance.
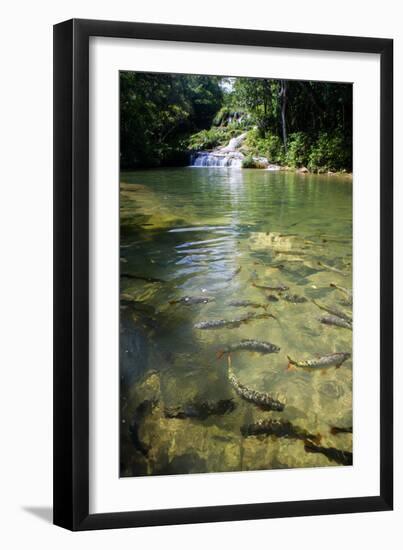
(233, 144)
(230, 155)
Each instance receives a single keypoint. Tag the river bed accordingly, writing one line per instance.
(221, 233)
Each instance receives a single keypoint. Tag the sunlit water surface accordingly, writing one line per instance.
(215, 232)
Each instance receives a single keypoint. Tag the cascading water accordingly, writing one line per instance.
(203, 158)
(227, 156)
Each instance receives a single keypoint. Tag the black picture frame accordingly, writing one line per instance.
(71, 274)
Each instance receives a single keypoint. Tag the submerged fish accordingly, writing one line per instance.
(333, 311)
(234, 273)
(336, 321)
(127, 301)
(348, 293)
(277, 288)
(247, 303)
(142, 278)
(295, 298)
(271, 298)
(278, 428)
(326, 361)
(331, 268)
(232, 323)
(146, 407)
(192, 300)
(200, 410)
(293, 252)
(262, 399)
(334, 430)
(341, 457)
(250, 345)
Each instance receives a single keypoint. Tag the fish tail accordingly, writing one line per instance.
(229, 362)
(172, 302)
(291, 363)
(317, 439)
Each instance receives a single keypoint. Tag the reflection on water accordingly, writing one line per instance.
(194, 243)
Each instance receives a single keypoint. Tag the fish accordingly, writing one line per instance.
(296, 223)
(277, 288)
(279, 428)
(142, 278)
(326, 361)
(146, 407)
(286, 251)
(331, 268)
(333, 311)
(231, 323)
(261, 399)
(346, 302)
(127, 301)
(234, 273)
(250, 345)
(200, 410)
(334, 430)
(336, 455)
(336, 321)
(295, 298)
(348, 293)
(271, 298)
(247, 303)
(192, 300)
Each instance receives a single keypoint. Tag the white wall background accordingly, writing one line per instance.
(26, 279)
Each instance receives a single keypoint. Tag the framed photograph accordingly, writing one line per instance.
(223, 274)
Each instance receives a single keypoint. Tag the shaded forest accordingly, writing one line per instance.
(165, 117)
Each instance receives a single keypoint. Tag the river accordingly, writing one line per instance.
(215, 233)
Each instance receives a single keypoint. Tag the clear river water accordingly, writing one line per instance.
(197, 245)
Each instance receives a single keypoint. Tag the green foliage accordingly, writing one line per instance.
(297, 123)
(270, 146)
(209, 139)
(274, 149)
(159, 110)
(298, 150)
(249, 162)
(329, 153)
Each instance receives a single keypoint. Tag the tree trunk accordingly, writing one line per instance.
(283, 95)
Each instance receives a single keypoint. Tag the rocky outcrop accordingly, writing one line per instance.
(229, 156)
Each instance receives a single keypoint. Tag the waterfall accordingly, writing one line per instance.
(216, 159)
(227, 156)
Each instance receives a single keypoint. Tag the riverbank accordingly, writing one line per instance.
(249, 150)
(242, 151)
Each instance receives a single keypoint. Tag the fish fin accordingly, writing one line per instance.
(229, 361)
(220, 353)
(323, 372)
(291, 366)
(338, 366)
(172, 302)
(318, 438)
